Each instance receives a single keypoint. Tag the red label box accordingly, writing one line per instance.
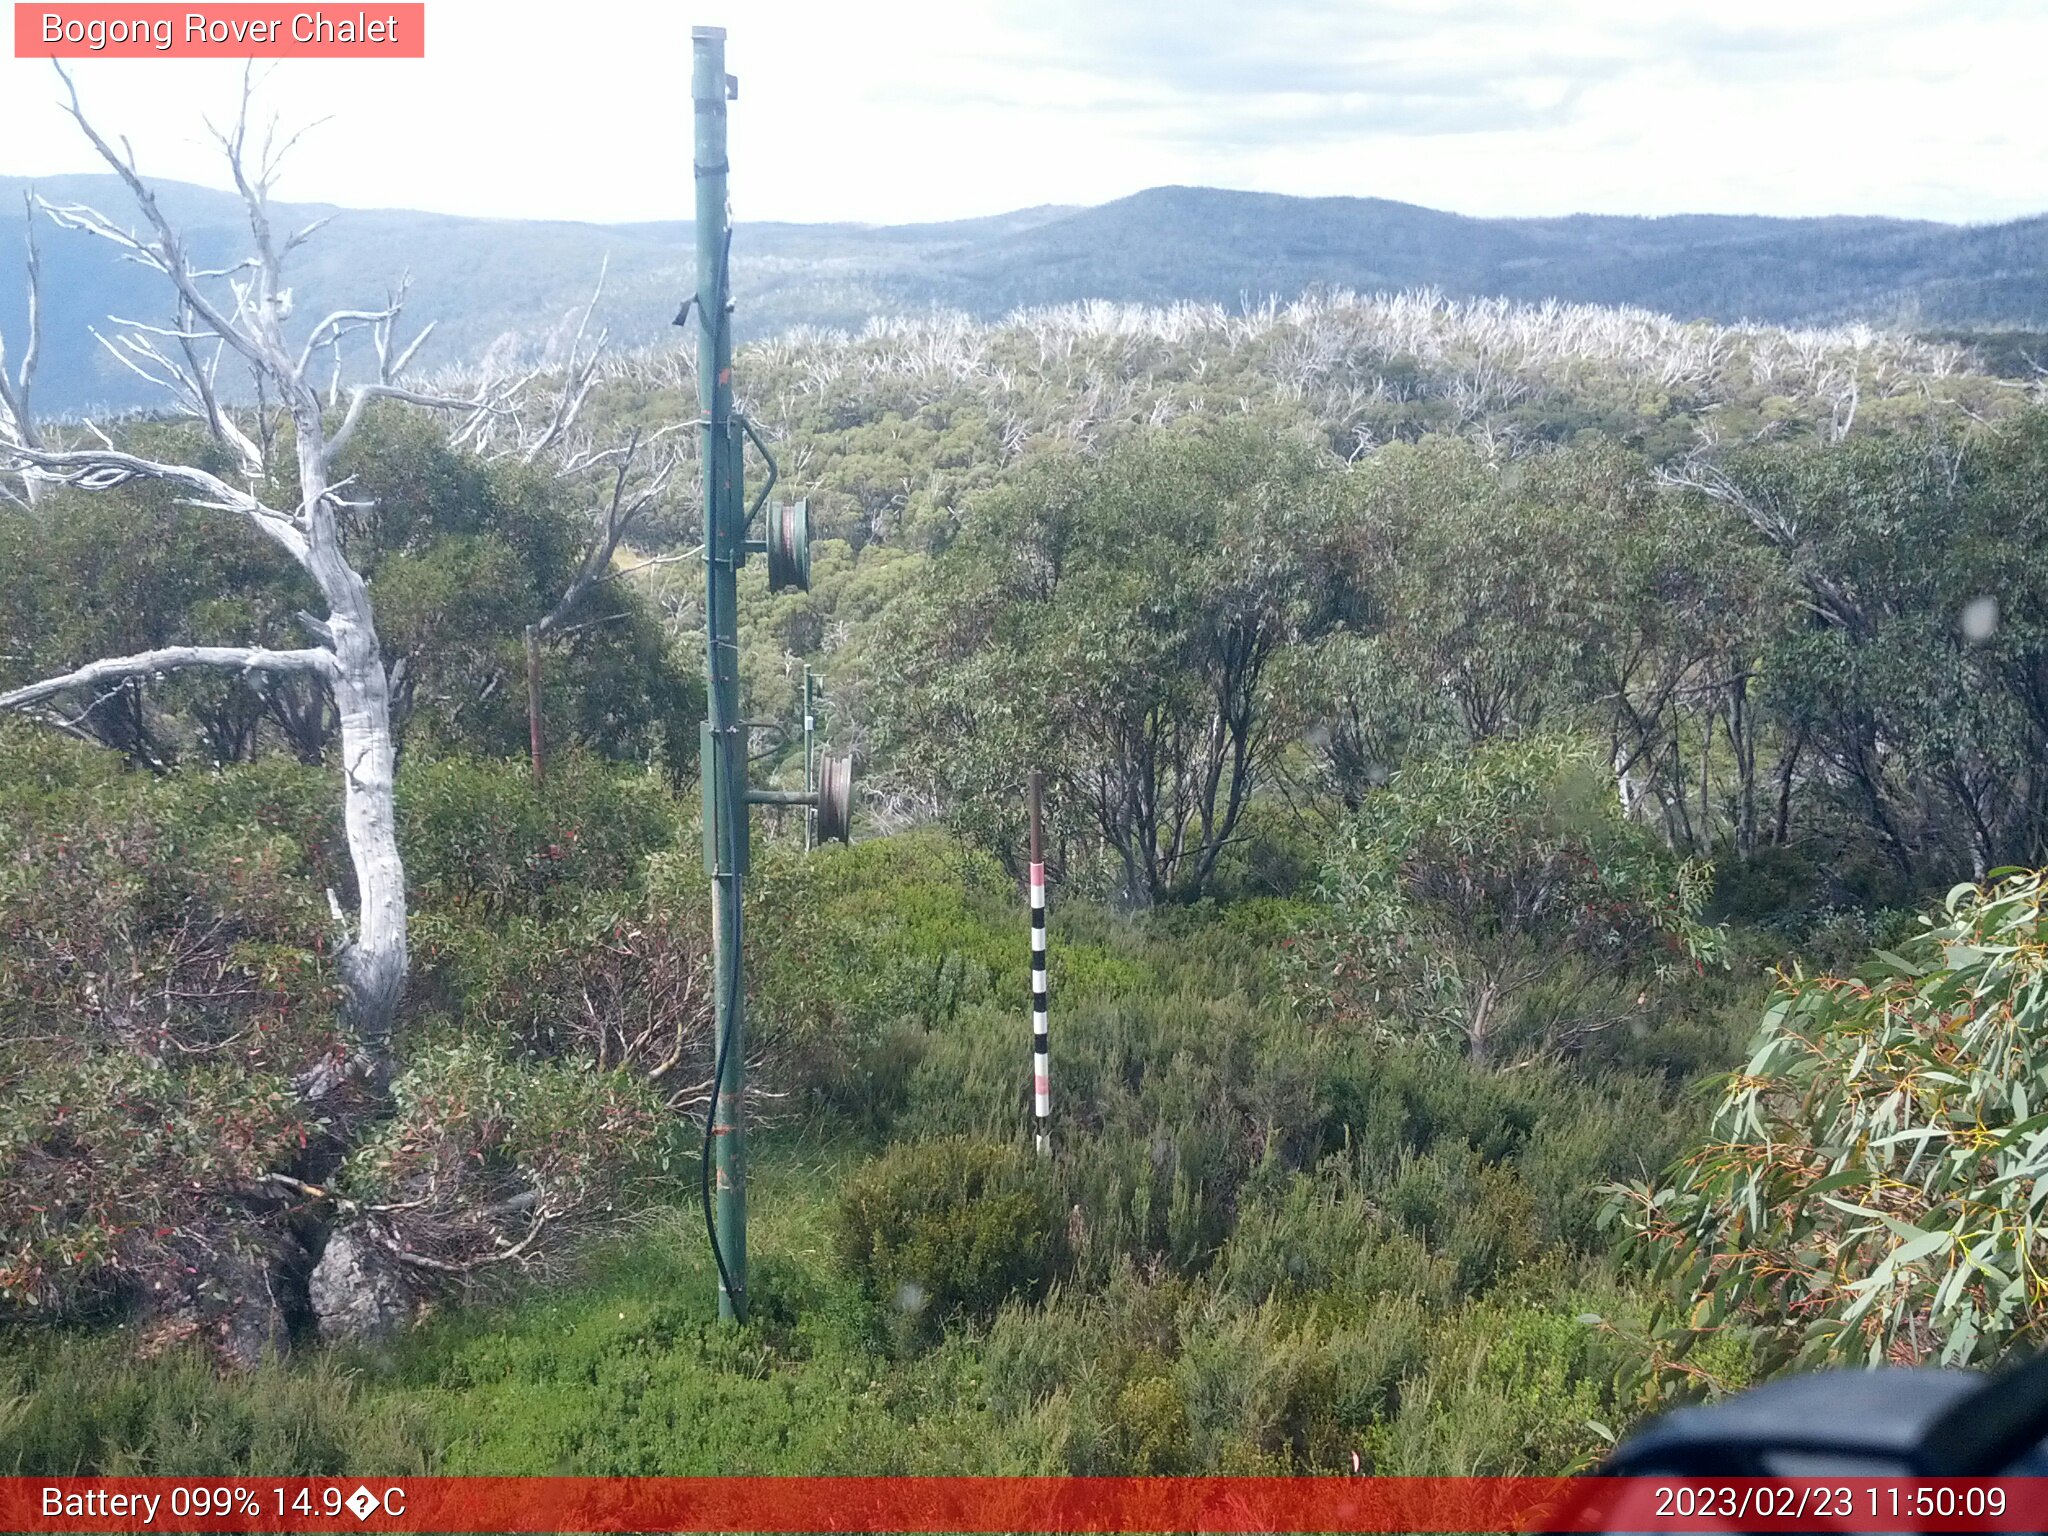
(1081, 1506)
(238, 31)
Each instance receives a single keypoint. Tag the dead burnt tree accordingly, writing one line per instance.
(240, 313)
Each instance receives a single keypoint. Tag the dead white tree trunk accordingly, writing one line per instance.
(241, 312)
(17, 419)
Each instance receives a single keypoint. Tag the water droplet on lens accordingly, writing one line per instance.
(1980, 619)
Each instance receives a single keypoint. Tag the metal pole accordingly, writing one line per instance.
(1041, 1039)
(780, 797)
(723, 550)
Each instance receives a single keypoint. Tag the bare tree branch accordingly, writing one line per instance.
(176, 658)
(363, 394)
(167, 252)
(579, 377)
(337, 325)
(514, 1251)
(627, 503)
(102, 469)
(692, 553)
(186, 377)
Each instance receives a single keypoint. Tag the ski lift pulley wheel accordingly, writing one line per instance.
(789, 546)
(835, 799)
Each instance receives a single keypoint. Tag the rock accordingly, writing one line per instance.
(227, 1300)
(250, 1327)
(358, 1292)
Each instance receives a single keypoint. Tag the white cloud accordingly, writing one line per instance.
(924, 110)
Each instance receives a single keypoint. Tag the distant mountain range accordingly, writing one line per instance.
(485, 279)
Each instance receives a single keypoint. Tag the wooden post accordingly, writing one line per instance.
(533, 728)
(1041, 1040)
(810, 765)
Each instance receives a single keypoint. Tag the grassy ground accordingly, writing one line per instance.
(1286, 1251)
(623, 1371)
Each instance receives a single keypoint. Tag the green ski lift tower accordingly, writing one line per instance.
(728, 541)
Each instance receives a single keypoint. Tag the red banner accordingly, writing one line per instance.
(238, 31)
(1021, 1504)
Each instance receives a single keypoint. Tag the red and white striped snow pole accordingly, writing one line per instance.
(1041, 1041)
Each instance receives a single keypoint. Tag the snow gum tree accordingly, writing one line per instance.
(241, 315)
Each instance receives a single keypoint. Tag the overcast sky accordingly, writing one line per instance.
(933, 109)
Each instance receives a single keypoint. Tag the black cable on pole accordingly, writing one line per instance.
(739, 1299)
(716, 316)
(729, 857)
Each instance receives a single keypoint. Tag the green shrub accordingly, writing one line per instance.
(1151, 1422)
(1471, 881)
(483, 1154)
(87, 1407)
(1274, 855)
(1506, 1391)
(1477, 1214)
(857, 952)
(1319, 1241)
(949, 1229)
(163, 977)
(480, 836)
(619, 981)
(1155, 1375)
(867, 959)
(1561, 1132)
(1270, 1389)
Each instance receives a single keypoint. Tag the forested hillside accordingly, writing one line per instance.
(509, 283)
(1471, 730)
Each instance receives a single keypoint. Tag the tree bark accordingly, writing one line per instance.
(1478, 1029)
(374, 959)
